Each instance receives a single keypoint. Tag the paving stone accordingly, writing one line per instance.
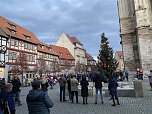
(128, 105)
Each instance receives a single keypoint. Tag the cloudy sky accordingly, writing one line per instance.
(84, 19)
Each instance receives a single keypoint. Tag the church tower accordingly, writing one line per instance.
(127, 32)
(136, 33)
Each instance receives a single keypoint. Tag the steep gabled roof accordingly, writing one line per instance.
(119, 53)
(2, 33)
(74, 40)
(46, 49)
(89, 57)
(62, 52)
(20, 32)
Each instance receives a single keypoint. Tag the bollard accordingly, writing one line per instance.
(138, 89)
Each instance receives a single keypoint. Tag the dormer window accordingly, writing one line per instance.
(27, 37)
(49, 49)
(61, 53)
(42, 47)
(12, 25)
(13, 32)
(68, 55)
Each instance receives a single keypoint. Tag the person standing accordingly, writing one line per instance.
(26, 82)
(6, 95)
(98, 85)
(2, 84)
(150, 78)
(51, 82)
(62, 82)
(137, 73)
(69, 86)
(74, 88)
(84, 89)
(38, 102)
(141, 74)
(126, 74)
(44, 85)
(16, 89)
(112, 87)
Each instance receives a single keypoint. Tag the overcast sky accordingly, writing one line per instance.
(84, 19)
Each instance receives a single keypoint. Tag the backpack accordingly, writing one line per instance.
(5, 107)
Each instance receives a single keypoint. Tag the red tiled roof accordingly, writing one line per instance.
(62, 52)
(74, 40)
(119, 53)
(89, 57)
(46, 48)
(2, 33)
(21, 32)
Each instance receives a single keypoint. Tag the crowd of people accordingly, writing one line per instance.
(38, 100)
(73, 84)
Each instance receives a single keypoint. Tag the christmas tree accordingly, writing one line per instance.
(106, 62)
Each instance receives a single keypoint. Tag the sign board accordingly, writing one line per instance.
(1, 72)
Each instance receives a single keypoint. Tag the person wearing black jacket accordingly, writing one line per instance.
(98, 85)
(84, 89)
(112, 87)
(16, 89)
(69, 86)
(6, 95)
(38, 101)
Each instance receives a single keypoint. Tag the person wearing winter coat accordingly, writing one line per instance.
(74, 88)
(98, 85)
(112, 87)
(150, 79)
(69, 87)
(38, 101)
(2, 83)
(62, 82)
(84, 89)
(16, 89)
(6, 94)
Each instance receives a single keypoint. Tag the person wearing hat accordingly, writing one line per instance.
(38, 101)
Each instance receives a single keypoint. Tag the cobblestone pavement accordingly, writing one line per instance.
(128, 105)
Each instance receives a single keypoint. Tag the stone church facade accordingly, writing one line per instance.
(135, 18)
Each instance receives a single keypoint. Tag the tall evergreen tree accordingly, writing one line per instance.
(106, 62)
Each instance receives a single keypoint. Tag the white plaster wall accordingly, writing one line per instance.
(65, 42)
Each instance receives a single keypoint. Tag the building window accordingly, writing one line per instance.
(61, 53)
(29, 46)
(31, 58)
(12, 42)
(25, 45)
(12, 56)
(2, 44)
(12, 25)
(16, 43)
(2, 56)
(33, 47)
(28, 37)
(13, 32)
